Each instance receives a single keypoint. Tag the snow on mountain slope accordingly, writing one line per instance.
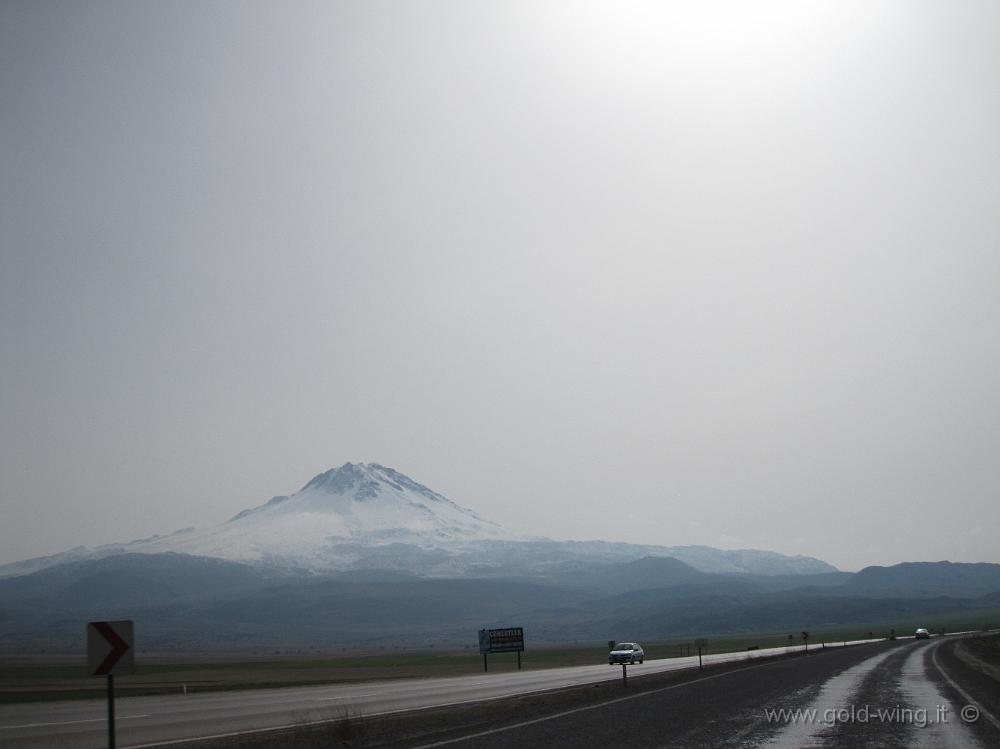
(321, 526)
(369, 517)
(747, 561)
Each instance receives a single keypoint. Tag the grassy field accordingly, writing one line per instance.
(42, 677)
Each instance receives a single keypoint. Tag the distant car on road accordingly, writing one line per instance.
(921, 634)
(626, 652)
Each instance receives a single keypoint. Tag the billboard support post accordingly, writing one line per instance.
(507, 640)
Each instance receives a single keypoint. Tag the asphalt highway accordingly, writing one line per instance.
(720, 708)
(897, 695)
(143, 721)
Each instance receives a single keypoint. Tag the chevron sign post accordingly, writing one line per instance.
(110, 651)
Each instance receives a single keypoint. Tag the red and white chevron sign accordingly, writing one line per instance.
(110, 648)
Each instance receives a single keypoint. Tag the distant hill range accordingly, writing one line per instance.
(365, 555)
(182, 602)
(927, 579)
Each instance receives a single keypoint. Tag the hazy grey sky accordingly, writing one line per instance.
(730, 270)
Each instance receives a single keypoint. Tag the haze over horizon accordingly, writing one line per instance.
(715, 273)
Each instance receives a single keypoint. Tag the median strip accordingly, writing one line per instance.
(596, 706)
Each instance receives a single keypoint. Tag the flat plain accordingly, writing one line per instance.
(29, 678)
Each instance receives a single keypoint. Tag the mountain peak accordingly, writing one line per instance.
(365, 481)
(358, 480)
(345, 515)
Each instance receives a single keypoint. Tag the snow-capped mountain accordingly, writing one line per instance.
(369, 517)
(329, 523)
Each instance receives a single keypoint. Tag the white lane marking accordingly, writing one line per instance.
(833, 695)
(345, 697)
(942, 729)
(576, 710)
(669, 664)
(983, 712)
(71, 722)
(272, 729)
(529, 682)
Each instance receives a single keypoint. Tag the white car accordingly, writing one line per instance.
(921, 634)
(626, 652)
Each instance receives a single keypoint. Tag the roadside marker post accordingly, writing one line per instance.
(110, 651)
(701, 643)
(624, 676)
